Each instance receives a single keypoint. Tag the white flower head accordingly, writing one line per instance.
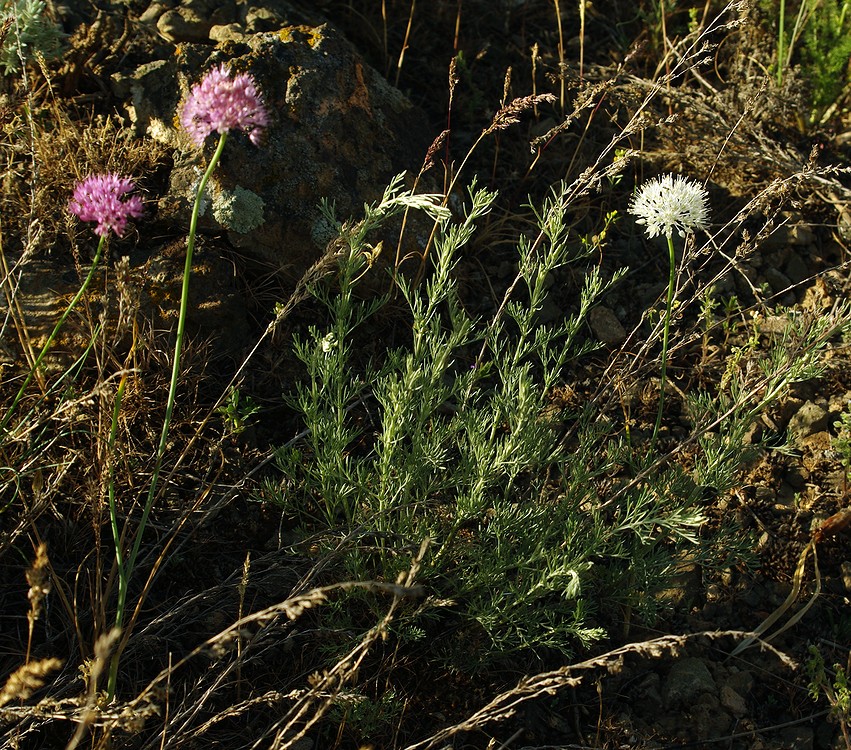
(667, 203)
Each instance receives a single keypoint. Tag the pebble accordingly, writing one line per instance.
(176, 27)
(796, 269)
(808, 420)
(733, 702)
(606, 326)
(687, 679)
(777, 280)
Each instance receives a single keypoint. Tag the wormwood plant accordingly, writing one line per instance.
(834, 686)
(542, 521)
(25, 30)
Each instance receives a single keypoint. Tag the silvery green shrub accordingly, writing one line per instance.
(29, 31)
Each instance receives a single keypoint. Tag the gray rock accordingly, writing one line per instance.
(747, 278)
(191, 20)
(176, 26)
(155, 10)
(606, 327)
(740, 680)
(687, 679)
(339, 131)
(777, 280)
(808, 420)
(733, 702)
(794, 232)
(709, 721)
(796, 268)
(229, 32)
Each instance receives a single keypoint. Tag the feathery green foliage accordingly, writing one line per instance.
(453, 437)
(826, 52)
(29, 32)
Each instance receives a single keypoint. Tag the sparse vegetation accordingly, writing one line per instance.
(495, 434)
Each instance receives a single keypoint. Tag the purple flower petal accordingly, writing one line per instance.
(222, 103)
(99, 198)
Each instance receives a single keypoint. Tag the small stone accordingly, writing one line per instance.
(708, 719)
(550, 311)
(155, 10)
(606, 326)
(818, 297)
(801, 235)
(687, 679)
(183, 27)
(808, 420)
(746, 279)
(740, 680)
(798, 477)
(232, 32)
(793, 232)
(259, 20)
(733, 702)
(796, 269)
(818, 442)
(777, 280)
(649, 689)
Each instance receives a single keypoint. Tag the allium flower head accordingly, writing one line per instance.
(99, 198)
(222, 103)
(667, 203)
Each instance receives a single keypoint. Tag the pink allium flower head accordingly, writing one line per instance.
(98, 198)
(221, 103)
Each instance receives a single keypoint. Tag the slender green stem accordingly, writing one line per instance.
(781, 34)
(172, 392)
(113, 513)
(672, 267)
(28, 379)
(123, 577)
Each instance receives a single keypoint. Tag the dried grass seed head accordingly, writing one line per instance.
(670, 202)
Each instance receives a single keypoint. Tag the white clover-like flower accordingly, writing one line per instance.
(666, 203)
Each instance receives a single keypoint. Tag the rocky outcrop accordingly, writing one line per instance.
(339, 131)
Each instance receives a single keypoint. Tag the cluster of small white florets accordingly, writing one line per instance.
(667, 203)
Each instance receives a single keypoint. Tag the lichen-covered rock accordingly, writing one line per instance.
(203, 20)
(339, 131)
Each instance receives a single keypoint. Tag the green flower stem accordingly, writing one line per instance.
(50, 340)
(781, 33)
(668, 309)
(172, 392)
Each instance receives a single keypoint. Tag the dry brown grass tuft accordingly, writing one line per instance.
(55, 147)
